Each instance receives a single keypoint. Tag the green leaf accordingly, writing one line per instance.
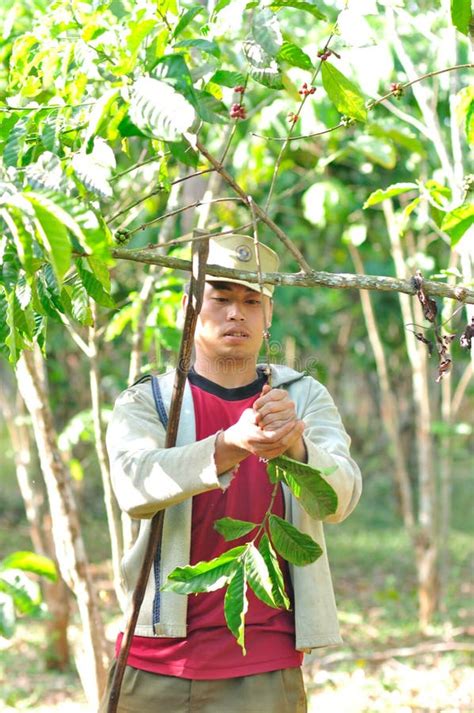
(297, 5)
(458, 221)
(315, 494)
(46, 174)
(15, 145)
(211, 109)
(295, 56)
(382, 194)
(295, 546)
(80, 309)
(184, 152)
(469, 125)
(22, 237)
(93, 286)
(24, 592)
(231, 529)
(262, 67)
(226, 78)
(186, 18)
(259, 577)
(30, 562)
(100, 113)
(54, 237)
(204, 576)
(461, 11)
(276, 576)
(344, 94)
(266, 31)
(208, 46)
(159, 111)
(236, 605)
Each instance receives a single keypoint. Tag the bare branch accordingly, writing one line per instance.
(258, 211)
(338, 281)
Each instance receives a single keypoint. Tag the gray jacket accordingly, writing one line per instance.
(147, 477)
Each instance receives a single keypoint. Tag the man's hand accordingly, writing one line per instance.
(274, 409)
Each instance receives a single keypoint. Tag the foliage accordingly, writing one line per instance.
(90, 88)
(18, 593)
(255, 564)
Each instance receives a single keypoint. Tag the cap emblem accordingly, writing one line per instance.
(244, 254)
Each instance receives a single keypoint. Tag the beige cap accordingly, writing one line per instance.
(238, 252)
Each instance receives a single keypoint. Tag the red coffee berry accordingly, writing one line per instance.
(292, 117)
(396, 89)
(240, 89)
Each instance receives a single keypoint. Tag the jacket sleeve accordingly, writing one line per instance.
(327, 444)
(146, 476)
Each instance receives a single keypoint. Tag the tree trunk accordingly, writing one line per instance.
(388, 403)
(111, 506)
(66, 532)
(55, 594)
(426, 546)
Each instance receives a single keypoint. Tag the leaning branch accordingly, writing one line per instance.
(312, 278)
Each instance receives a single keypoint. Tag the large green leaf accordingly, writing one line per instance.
(80, 309)
(204, 576)
(458, 221)
(54, 237)
(186, 18)
(226, 78)
(379, 151)
(294, 546)
(382, 194)
(211, 109)
(232, 529)
(236, 605)
(262, 67)
(7, 616)
(266, 31)
(46, 174)
(259, 576)
(30, 562)
(461, 12)
(159, 111)
(15, 146)
(100, 113)
(300, 5)
(25, 593)
(93, 286)
(314, 493)
(208, 46)
(295, 56)
(22, 236)
(276, 576)
(344, 94)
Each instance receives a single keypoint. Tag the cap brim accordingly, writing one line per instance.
(254, 286)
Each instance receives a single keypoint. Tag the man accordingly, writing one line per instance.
(183, 659)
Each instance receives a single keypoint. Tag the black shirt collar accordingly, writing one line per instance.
(235, 394)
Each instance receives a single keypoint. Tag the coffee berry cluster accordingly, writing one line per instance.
(397, 89)
(238, 111)
(305, 90)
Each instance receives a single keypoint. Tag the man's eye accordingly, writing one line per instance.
(253, 302)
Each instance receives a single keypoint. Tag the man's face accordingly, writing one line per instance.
(230, 324)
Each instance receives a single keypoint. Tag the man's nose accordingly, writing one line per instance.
(235, 312)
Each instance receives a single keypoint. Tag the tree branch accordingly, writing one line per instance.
(338, 281)
(258, 211)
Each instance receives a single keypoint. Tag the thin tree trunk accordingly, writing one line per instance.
(388, 403)
(66, 532)
(426, 540)
(55, 594)
(111, 506)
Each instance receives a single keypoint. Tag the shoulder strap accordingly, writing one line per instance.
(159, 403)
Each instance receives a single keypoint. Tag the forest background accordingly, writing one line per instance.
(339, 133)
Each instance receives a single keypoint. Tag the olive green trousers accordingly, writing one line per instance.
(273, 692)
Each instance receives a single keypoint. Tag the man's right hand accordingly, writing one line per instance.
(246, 437)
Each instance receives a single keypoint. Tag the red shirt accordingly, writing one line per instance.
(210, 651)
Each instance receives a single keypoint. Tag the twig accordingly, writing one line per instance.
(196, 204)
(312, 278)
(369, 107)
(266, 325)
(184, 362)
(259, 211)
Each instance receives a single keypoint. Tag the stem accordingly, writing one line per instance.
(261, 527)
(380, 283)
(266, 333)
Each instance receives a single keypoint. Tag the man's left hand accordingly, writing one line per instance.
(274, 409)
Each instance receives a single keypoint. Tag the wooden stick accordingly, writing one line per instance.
(193, 307)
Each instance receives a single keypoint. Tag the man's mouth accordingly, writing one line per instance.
(237, 333)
